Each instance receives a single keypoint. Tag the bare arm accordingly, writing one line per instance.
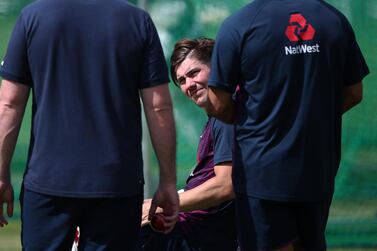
(159, 115)
(211, 193)
(352, 95)
(13, 99)
(220, 105)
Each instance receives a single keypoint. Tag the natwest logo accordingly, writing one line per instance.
(299, 29)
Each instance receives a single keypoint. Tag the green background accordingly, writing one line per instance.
(353, 216)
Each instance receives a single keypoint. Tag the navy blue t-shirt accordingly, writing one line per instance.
(86, 62)
(291, 60)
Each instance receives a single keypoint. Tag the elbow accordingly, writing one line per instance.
(159, 106)
(357, 99)
(351, 101)
(228, 196)
(226, 193)
(229, 193)
(352, 96)
(9, 104)
(13, 95)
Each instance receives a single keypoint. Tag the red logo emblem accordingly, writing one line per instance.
(299, 29)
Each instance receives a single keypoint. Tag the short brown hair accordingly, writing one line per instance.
(199, 48)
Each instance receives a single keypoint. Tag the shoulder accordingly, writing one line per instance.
(54, 5)
(337, 16)
(333, 10)
(247, 11)
(238, 25)
(132, 9)
(246, 14)
(219, 127)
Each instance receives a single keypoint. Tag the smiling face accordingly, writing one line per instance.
(192, 76)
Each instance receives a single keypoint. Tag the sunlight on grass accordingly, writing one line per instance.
(10, 236)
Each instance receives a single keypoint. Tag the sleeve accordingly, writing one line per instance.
(355, 66)
(225, 63)
(155, 70)
(222, 135)
(15, 66)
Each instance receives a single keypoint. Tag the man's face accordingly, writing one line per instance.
(192, 78)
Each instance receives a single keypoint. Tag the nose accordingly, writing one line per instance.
(190, 85)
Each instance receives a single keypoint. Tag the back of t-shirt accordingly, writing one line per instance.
(291, 60)
(86, 61)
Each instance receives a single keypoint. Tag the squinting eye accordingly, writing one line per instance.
(181, 82)
(193, 74)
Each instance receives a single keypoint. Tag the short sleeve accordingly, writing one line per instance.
(222, 141)
(355, 68)
(15, 66)
(155, 70)
(225, 64)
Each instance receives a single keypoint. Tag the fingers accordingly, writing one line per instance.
(145, 215)
(171, 210)
(147, 201)
(10, 208)
(166, 200)
(3, 221)
(144, 221)
(170, 221)
(144, 218)
(6, 197)
(171, 218)
(152, 209)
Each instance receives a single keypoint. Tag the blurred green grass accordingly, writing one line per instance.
(10, 236)
(10, 239)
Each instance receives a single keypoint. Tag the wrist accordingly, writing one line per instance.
(4, 176)
(167, 185)
(168, 180)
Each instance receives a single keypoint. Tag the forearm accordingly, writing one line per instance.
(9, 129)
(162, 131)
(158, 110)
(11, 113)
(204, 196)
(8, 139)
(210, 193)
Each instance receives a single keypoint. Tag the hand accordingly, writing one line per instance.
(145, 212)
(6, 196)
(166, 197)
